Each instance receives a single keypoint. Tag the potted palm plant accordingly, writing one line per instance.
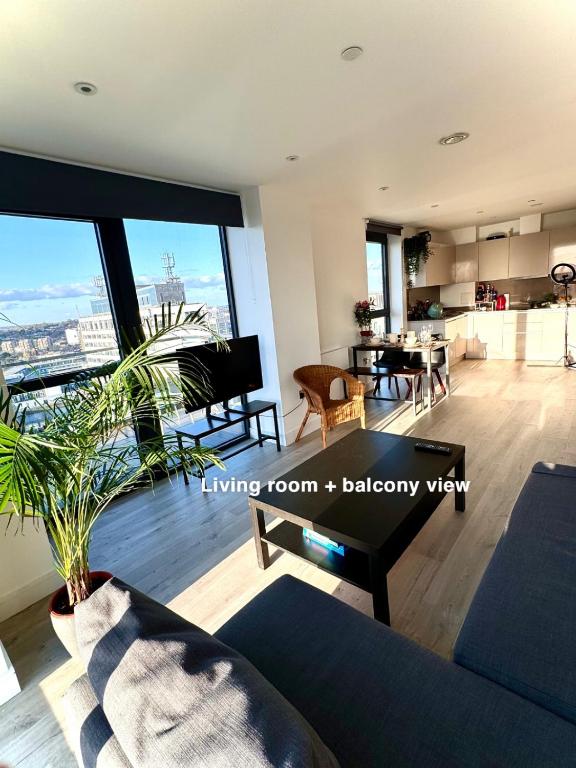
(67, 474)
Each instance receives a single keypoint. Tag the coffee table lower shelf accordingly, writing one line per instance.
(353, 566)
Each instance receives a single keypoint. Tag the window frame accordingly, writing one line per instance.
(112, 242)
(382, 240)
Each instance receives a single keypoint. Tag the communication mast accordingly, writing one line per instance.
(100, 285)
(169, 263)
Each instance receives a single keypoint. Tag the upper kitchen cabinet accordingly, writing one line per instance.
(439, 269)
(466, 263)
(529, 255)
(562, 247)
(493, 259)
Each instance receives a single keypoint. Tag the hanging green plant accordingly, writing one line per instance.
(416, 252)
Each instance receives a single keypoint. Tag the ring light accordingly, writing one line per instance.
(563, 274)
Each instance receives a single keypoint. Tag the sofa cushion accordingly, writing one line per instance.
(377, 699)
(94, 742)
(176, 697)
(521, 627)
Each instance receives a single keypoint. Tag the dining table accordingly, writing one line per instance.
(426, 348)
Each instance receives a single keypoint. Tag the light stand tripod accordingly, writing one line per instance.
(565, 274)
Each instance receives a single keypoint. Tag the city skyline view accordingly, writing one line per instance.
(37, 284)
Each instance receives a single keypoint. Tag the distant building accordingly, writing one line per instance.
(150, 295)
(219, 321)
(43, 343)
(96, 332)
(7, 347)
(72, 337)
(161, 293)
(100, 306)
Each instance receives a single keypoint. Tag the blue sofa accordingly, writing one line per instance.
(377, 699)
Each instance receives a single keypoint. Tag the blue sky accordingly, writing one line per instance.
(47, 266)
(374, 263)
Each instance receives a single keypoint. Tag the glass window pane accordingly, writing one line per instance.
(51, 286)
(178, 263)
(375, 274)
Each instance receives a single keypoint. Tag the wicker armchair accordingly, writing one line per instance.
(315, 381)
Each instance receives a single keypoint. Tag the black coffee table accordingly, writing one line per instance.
(375, 527)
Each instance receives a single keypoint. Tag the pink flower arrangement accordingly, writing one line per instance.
(363, 312)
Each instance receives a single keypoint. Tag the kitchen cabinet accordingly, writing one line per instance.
(562, 247)
(536, 335)
(457, 331)
(493, 259)
(486, 336)
(439, 269)
(529, 255)
(466, 263)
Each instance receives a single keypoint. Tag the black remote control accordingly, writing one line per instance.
(433, 448)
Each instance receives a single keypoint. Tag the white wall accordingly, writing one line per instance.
(288, 241)
(252, 292)
(339, 252)
(501, 226)
(297, 273)
(458, 295)
(273, 274)
(559, 219)
(464, 235)
(531, 223)
(26, 571)
(397, 280)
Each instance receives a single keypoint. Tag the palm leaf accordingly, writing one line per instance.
(81, 461)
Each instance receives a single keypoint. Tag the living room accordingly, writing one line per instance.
(183, 171)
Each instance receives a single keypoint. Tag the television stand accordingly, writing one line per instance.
(214, 423)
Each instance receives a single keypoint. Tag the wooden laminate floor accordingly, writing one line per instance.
(195, 552)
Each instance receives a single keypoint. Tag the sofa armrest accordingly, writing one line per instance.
(94, 742)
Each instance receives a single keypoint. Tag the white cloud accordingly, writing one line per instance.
(47, 291)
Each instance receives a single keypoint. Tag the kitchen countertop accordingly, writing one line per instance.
(455, 314)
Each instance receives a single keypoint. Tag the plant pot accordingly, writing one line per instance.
(63, 621)
(366, 334)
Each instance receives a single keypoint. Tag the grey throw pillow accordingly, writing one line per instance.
(178, 698)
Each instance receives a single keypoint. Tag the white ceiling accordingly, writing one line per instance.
(218, 92)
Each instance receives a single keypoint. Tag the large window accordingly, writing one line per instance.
(378, 287)
(181, 263)
(50, 288)
(70, 289)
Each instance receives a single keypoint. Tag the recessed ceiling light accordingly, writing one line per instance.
(435, 205)
(86, 89)
(531, 201)
(454, 138)
(479, 211)
(383, 189)
(292, 158)
(351, 53)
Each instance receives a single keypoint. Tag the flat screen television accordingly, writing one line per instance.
(229, 373)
